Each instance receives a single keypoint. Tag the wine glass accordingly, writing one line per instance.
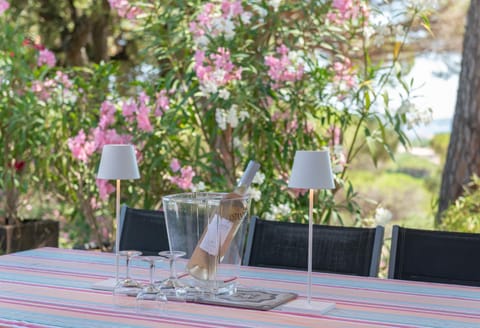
(172, 284)
(127, 286)
(151, 292)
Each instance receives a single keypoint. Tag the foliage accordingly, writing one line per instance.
(464, 214)
(223, 82)
(24, 68)
(439, 144)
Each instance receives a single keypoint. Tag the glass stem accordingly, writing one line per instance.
(173, 274)
(152, 271)
(128, 267)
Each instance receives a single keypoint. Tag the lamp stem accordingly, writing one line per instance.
(310, 244)
(117, 231)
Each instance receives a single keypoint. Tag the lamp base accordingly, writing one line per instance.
(304, 306)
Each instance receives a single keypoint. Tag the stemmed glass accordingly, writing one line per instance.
(127, 286)
(172, 282)
(151, 292)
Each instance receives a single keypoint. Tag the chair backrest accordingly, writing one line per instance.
(336, 249)
(143, 230)
(435, 256)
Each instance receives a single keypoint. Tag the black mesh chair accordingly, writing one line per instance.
(143, 230)
(345, 250)
(435, 256)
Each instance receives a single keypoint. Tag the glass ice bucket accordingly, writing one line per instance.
(211, 229)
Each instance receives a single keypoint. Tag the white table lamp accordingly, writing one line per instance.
(311, 170)
(118, 162)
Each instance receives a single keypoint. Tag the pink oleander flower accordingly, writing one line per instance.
(104, 188)
(63, 79)
(47, 57)
(80, 147)
(129, 108)
(43, 89)
(110, 136)
(124, 9)
(347, 10)
(231, 8)
(4, 5)
(344, 74)
(335, 135)
(143, 113)
(184, 181)
(107, 114)
(281, 69)
(162, 103)
(217, 19)
(175, 165)
(215, 71)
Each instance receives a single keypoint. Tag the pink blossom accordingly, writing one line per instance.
(175, 165)
(125, 9)
(292, 126)
(129, 108)
(335, 135)
(63, 79)
(107, 114)
(4, 5)
(43, 89)
(231, 8)
(281, 69)
(344, 73)
(184, 181)
(162, 104)
(104, 188)
(110, 136)
(216, 70)
(347, 10)
(143, 112)
(80, 147)
(47, 57)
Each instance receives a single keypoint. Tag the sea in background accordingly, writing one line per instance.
(437, 126)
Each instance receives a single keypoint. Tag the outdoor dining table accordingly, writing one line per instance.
(53, 287)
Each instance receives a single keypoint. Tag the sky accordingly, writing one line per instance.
(434, 91)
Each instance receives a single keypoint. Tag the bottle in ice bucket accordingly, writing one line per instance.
(221, 229)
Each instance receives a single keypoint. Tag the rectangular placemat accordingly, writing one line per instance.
(249, 299)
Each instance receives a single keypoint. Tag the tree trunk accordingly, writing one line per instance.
(463, 157)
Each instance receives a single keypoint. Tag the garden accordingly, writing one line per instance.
(208, 86)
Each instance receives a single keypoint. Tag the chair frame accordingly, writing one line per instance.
(376, 250)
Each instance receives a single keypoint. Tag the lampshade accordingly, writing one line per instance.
(118, 162)
(311, 170)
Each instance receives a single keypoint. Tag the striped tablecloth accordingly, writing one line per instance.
(52, 287)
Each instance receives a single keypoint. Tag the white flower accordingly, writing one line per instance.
(281, 209)
(221, 118)
(208, 88)
(274, 3)
(259, 178)
(382, 216)
(238, 144)
(262, 12)
(243, 115)
(201, 41)
(199, 186)
(245, 17)
(255, 194)
(269, 216)
(415, 116)
(224, 94)
(399, 32)
(224, 26)
(232, 117)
